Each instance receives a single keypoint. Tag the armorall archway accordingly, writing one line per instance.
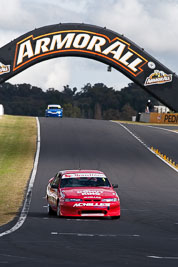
(83, 40)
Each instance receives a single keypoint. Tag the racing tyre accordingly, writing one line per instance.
(58, 210)
(115, 217)
(50, 211)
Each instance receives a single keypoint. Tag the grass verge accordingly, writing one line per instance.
(17, 151)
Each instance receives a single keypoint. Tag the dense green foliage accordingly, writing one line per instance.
(93, 101)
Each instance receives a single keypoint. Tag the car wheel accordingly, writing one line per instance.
(50, 210)
(58, 210)
(115, 217)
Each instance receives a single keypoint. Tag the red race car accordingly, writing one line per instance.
(82, 193)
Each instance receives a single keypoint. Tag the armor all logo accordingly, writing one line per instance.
(4, 68)
(158, 77)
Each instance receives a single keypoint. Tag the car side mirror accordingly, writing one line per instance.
(115, 185)
(54, 186)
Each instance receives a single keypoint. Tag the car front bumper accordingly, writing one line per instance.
(89, 210)
(53, 115)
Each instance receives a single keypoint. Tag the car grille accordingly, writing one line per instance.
(93, 212)
(90, 200)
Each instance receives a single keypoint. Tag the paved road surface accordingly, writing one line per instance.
(162, 138)
(146, 234)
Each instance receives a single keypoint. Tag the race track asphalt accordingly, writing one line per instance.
(146, 234)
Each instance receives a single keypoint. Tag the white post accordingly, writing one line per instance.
(1, 110)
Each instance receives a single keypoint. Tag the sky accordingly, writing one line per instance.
(151, 24)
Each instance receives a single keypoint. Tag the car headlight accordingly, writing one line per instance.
(72, 200)
(110, 199)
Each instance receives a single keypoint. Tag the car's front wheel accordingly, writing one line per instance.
(50, 210)
(116, 217)
(58, 210)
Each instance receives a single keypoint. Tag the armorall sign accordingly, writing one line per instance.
(115, 50)
(93, 42)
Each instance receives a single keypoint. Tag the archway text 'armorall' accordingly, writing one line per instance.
(101, 44)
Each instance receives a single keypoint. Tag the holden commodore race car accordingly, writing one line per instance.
(54, 111)
(81, 193)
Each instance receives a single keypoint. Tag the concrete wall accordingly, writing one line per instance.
(145, 117)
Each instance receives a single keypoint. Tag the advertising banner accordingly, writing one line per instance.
(164, 118)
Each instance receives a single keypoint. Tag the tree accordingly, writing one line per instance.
(127, 112)
(93, 101)
(111, 114)
(71, 111)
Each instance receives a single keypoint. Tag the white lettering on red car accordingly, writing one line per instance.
(91, 205)
(90, 192)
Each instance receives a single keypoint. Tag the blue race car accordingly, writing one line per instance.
(54, 111)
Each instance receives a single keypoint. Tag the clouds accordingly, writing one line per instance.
(53, 73)
(148, 23)
(14, 16)
(151, 24)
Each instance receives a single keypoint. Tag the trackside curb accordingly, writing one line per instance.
(27, 201)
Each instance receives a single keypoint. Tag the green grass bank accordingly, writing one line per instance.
(17, 151)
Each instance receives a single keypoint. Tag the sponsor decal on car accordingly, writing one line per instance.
(76, 175)
(158, 77)
(90, 192)
(91, 205)
(116, 50)
(4, 68)
(88, 197)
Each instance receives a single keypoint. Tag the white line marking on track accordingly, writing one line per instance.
(147, 147)
(159, 257)
(164, 129)
(27, 201)
(85, 234)
(15, 256)
(45, 206)
(135, 210)
(155, 127)
(94, 235)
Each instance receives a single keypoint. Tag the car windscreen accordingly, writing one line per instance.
(85, 182)
(54, 108)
